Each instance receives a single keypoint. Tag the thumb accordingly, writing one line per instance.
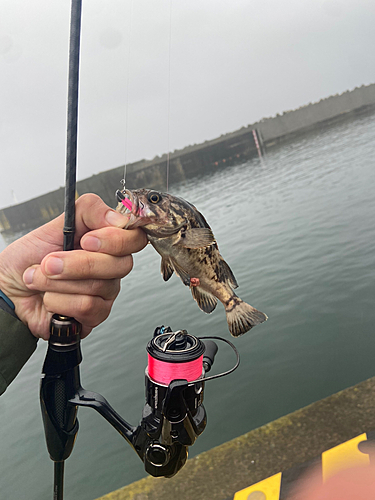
(91, 213)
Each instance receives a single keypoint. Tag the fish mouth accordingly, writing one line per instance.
(138, 208)
(129, 205)
(138, 212)
(126, 198)
(132, 202)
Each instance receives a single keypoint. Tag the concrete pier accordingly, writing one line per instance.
(289, 445)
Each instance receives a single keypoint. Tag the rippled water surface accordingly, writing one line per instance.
(298, 232)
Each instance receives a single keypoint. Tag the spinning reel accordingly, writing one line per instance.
(172, 418)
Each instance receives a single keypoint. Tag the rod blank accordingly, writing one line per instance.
(58, 487)
(72, 125)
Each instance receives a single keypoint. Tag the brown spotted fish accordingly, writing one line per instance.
(181, 235)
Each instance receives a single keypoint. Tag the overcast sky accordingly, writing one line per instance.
(211, 66)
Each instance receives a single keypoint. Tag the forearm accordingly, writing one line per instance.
(16, 346)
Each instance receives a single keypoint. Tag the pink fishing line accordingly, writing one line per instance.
(127, 203)
(163, 372)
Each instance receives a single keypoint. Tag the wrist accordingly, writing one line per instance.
(9, 279)
(7, 305)
(6, 299)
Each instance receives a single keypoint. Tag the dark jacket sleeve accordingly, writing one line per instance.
(16, 346)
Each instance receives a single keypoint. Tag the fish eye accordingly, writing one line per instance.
(154, 197)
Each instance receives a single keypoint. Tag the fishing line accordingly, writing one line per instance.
(169, 91)
(123, 181)
(164, 373)
(127, 93)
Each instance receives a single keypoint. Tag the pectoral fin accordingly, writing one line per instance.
(184, 275)
(205, 300)
(198, 237)
(166, 269)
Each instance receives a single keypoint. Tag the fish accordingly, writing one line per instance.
(187, 246)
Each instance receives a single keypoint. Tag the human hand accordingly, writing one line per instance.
(41, 279)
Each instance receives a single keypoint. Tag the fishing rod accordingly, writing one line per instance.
(60, 371)
(173, 415)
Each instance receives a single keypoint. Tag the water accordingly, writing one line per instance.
(298, 231)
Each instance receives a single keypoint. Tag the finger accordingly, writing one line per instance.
(82, 265)
(91, 213)
(34, 279)
(114, 241)
(89, 310)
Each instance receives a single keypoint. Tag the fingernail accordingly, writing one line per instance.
(28, 276)
(115, 219)
(54, 266)
(91, 244)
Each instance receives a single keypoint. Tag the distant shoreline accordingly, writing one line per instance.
(199, 159)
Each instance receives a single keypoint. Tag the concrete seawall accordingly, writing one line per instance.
(333, 108)
(199, 159)
(283, 450)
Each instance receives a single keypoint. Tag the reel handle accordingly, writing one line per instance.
(209, 354)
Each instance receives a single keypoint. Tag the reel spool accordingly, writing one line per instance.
(174, 355)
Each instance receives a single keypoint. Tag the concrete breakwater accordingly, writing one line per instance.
(199, 159)
(327, 436)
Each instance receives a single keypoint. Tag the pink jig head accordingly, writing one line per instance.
(125, 200)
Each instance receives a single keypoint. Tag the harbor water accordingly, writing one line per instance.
(298, 230)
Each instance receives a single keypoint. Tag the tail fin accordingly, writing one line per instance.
(242, 317)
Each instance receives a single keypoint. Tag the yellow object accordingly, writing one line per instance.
(344, 456)
(268, 489)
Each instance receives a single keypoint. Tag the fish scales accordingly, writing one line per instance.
(187, 246)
